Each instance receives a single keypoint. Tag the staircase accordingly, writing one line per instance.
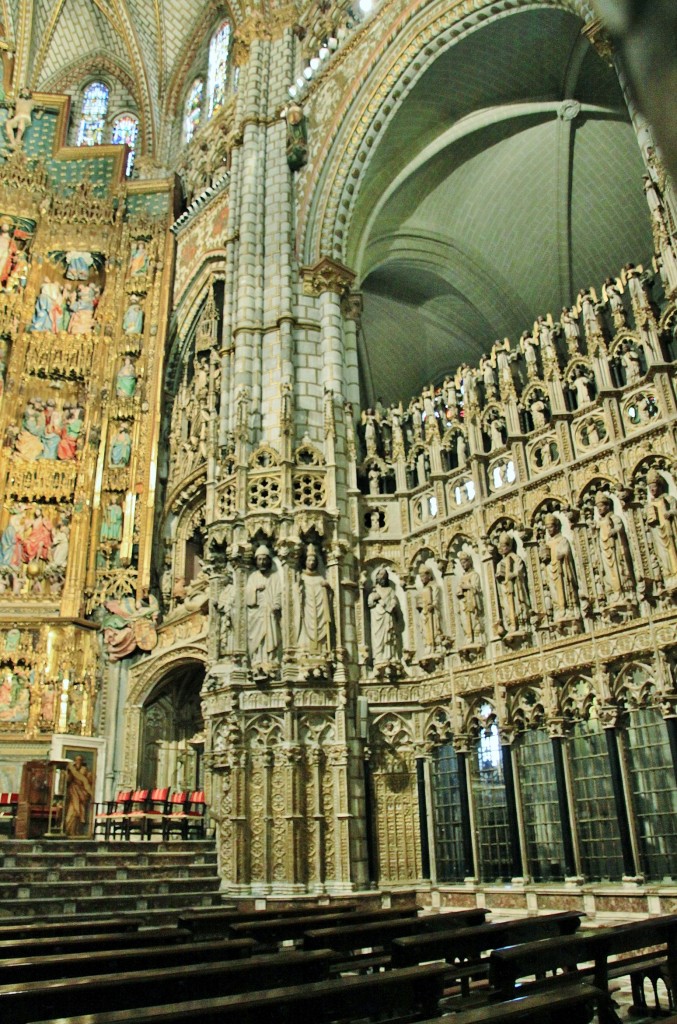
(57, 878)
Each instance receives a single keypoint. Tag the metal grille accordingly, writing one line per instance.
(491, 809)
(538, 788)
(654, 792)
(599, 840)
(447, 806)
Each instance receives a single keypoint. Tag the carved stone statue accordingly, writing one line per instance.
(470, 604)
(263, 597)
(661, 518)
(16, 125)
(630, 364)
(427, 605)
(226, 606)
(557, 556)
(314, 608)
(512, 586)
(581, 387)
(538, 409)
(496, 431)
(386, 620)
(461, 450)
(614, 553)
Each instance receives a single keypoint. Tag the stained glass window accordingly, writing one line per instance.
(599, 839)
(540, 806)
(93, 119)
(447, 803)
(218, 68)
(126, 130)
(491, 807)
(654, 795)
(192, 111)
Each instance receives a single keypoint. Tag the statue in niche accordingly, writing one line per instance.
(314, 607)
(48, 315)
(428, 607)
(470, 603)
(511, 578)
(556, 554)
(630, 363)
(370, 433)
(581, 387)
(138, 261)
(488, 376)
(496, 428)
(60, 545)
(661, 518)
(81, 306)
(132, 322)
(121, 447)
(538, 409)
(546, 334)
(614, 552)
(386, 620)
(587, 303)
(111, 524)
(263, 597)
(8, 252)
(461, 450)
(226, 608)
(125, 380)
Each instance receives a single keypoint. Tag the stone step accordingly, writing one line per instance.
(169, 904)
(114, 873)
(111, 890)
(11, 847)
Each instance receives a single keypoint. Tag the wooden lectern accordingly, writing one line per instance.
(39, 809)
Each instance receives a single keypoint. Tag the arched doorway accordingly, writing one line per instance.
(172, 731)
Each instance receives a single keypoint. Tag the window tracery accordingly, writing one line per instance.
(93, 115)
(192, 111)
(217, 72)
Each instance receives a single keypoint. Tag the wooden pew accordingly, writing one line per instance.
(212, 922)
(571, 1005)
(25, 1002)
(76, 965)
(468, 944)
(410, 994)
(65, 944)
(381, 934)
(45, 929)
(507, 966)
(270, 933)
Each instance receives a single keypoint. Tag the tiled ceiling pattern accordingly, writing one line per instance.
(149, 41)
(465, 230)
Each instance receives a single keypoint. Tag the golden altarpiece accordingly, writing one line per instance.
(423, 645)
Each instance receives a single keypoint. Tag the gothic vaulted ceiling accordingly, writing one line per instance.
(147, 45)
(509, 178)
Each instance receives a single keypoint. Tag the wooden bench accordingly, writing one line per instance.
(212, 922)
(45, 929)
(76, 965)
(381, 934)
(572, 1005)
(508, 966)
(65, 944)
(270, 933)
(410, 994)
(25, 1002)
(468, 944)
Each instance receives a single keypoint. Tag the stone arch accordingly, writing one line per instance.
(366, 109)
(145, 679)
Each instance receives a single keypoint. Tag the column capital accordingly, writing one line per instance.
(596, 33)
(327, 275)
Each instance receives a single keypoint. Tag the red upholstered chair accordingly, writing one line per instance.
(109, 817)
(8, 807)
(195, 817)
(158, 803)
(135, 815)
(175, 816)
